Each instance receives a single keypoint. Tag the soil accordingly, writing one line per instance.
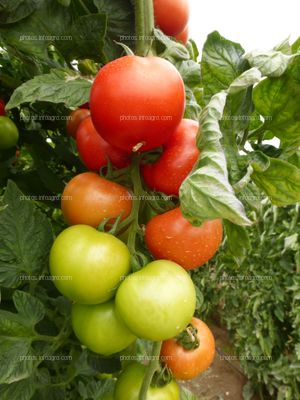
(224, 380)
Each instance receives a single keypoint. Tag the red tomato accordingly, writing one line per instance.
(171, 16)
(187, 364)
(183, 36)
(170, 236)
(75, 118)
(137, 102)
(95, 151)
(88, 199)
(2, 107)
(177, 160)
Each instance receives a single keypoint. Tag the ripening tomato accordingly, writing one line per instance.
(130, 381)
(95, 151)
(171, 16)
(177, 160)
(99, 328)
(9, 133)
(172, 237)
(187, 364)
(89, 199)
(75, 118)
(183, 36)
(137, 102)
(88, 265)
(2, 107)
(157, 302)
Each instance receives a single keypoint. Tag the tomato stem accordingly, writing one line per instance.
(151, 369)
(138, 193)
(144, 26)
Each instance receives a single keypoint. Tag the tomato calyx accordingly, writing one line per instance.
(188, 339)
(162, 377)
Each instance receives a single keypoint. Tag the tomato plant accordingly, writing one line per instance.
(73, 299)
(130, 381)
(166, 291)
(146, 111)
(75, 119)
(100, 329)
(9, 133)
(188, 356)
(87, 265)
(89, 199)
(176, 162)
(173, 237)
(171, 16)
(94, 151)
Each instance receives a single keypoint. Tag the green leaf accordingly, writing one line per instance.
(278, 99)
(270, 63)
(12, 11)
(206, 193)
(25, 239)
(222, 62)
(280, 181)
(29, 307)
(22, 390)
(238, 241)
(190, 72)
(60, 86)
(64, 3)
(120, 25)
(185, 394)
(173, 51)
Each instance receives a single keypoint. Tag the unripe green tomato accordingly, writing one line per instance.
(130, 381)
(9, 133)
(88, 265)
(157, 302)
(100, 329)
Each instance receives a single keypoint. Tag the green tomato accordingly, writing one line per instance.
(9, 133)
(157, 302)
(100, 329)
(130, 381)
(88, 265)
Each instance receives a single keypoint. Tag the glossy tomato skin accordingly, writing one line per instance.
(137, 100)
(158, 301)
(95, 151)
(177, 160)
(75, 119)
(2, 107)
(88, 265)
(183, 36)
(171, 16)
(130, 381)
(187, 364)
(9, 133)
(173, 237)
(89, 199)
(100, 329)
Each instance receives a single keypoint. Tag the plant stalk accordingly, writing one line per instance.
(152, 368)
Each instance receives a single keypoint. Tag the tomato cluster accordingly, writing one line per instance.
(136, 107)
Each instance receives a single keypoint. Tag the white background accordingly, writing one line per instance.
(255, 24)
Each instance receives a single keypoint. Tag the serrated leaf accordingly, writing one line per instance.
(270, 63)
(238, 241)
(222, 62)
(60, 86)
(12, 11)
(206, 193)
(22, 390)
(31, 308)
(25, 239)
(280, 181)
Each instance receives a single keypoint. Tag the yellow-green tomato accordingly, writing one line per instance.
(130, 381)
(9, 133)
(157, 302)
(87, 265)
(100, 329)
